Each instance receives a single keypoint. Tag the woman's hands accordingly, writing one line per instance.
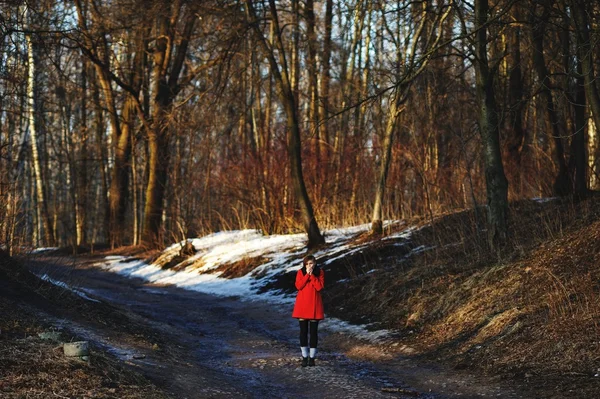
(310, 266)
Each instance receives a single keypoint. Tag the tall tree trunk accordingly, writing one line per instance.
(69, 140)
(323, 138)
(516, 103)
(167, 67)
(119, 183)
(410, 64)
(158, 159)
(349, 93)
(584, 49)
(578, 162)
(562, 185)
(34, 125)
(360, 116)
(496, 183)
(313, 92)
(158, 143)
(394, 111)
(82, 178)
(585, 54)
(134, 189)
(286, 94)
(102, 205)
(99, 53)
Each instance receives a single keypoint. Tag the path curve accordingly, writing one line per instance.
(225, 347)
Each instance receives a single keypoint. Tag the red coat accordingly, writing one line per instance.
(309, 304)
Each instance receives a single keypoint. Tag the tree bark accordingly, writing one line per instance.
(515, 97)
(585, 55)
(394, 111)
(496, 183)
(167, 67)
(585, 52)
(577, 162)
(82, 168)
(562, 185)
(102, 205)
(34, 125)
(287, 98)
(323, 130)
(119, 183)
(313, 93)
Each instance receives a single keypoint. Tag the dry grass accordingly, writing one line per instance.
(529, 308)
(239, 268)
(36, 368)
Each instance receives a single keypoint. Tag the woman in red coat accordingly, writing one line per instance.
(308, 308)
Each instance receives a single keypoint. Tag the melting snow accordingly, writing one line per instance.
(64, 285)
(44, 249)
(283, 253)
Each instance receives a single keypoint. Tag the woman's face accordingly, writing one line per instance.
(310, 265)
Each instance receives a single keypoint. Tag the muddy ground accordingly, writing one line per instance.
(193, 345)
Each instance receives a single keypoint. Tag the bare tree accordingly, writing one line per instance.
(95, 45)
(43, 215)
(580, 10)
(411, 61)
(562, 185)
(496, 183)
(169, 56)
(281, 72)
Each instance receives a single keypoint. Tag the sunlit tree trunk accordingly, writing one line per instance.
(287, 98)
(394, 111)
(43, 215)
(585, 53)
(81, 201)
(167, 67)
(102, 205)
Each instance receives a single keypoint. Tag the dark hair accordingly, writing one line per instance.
(308, 258)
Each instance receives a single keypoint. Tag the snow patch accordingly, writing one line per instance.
(43, 249)
(284, 254)
(545, 199)
(64, 285)
(358, 331)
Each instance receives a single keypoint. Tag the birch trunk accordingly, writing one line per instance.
(34, 122)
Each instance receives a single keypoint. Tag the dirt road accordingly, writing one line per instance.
(225, 347)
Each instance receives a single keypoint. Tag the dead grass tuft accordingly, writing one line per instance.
(239, 268)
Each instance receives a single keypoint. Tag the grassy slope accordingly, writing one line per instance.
(530, 309)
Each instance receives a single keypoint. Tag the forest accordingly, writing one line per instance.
(131, 122)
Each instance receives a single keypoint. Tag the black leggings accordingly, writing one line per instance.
(314, 338)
